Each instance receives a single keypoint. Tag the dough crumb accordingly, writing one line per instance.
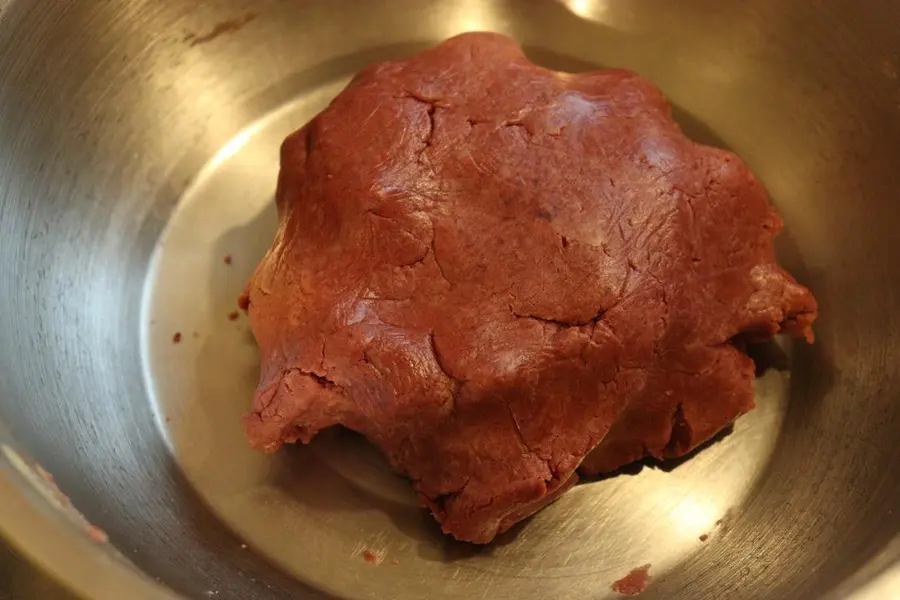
(634, 583)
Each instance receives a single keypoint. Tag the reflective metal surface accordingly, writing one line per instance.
(138, 150)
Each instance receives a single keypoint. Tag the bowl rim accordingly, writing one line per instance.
(42, 534)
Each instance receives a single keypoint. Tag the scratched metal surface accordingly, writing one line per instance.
(138, 149)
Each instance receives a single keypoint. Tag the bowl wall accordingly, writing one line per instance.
(138, 149)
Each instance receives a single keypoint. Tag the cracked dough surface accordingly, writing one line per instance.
(500, 273)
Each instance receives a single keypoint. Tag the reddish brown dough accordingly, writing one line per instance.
(490, 269)
(635, 583)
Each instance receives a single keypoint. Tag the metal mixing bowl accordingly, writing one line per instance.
(138, 148)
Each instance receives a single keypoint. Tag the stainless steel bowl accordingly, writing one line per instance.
(138, 148)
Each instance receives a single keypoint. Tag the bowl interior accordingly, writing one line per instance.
(137, 165)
